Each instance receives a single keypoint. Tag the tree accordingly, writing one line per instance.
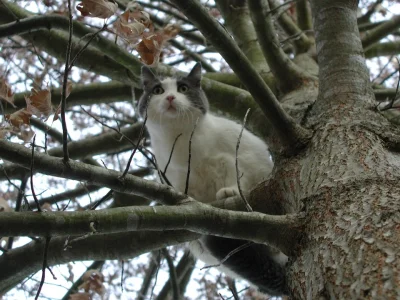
(331, 203)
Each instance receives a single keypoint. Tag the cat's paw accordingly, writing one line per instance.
(226, 193)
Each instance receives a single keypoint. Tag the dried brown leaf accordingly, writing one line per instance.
(39, 103)
(93, 281)
(69, 89)
(80, 296)
(132, 24)
(5, 92)
(18, 118)
(97, 8)
(150, 47)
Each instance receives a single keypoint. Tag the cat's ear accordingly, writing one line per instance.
(147, 75)
(195, 75)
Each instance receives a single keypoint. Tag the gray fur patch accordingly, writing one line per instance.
(194, 94)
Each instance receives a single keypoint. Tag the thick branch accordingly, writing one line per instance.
(289, 76)
(304, 18)
(95, 175)
(291, 135)
(185, 265)
(200, 218)
(372, 9)
(83, 190)
(237, 20)
(17, 265)
(345, 76)
(383, 49)
(84, 94)
(109, 142)
(376, 34)
(297, 36)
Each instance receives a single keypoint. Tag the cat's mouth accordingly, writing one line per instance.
(171, 108)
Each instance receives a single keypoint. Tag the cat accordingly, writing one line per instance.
(179, 107)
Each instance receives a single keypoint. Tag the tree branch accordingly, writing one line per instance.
(304, 18)
(49, 165)
(185, 266)
(366, 17)
(289, 76)
(345, 68)
(109, 142)
(237, 19)
(291, 135)
(383, 30)
(383, 49)
(173, 278)
(200, 218)
(149, 274)
(17, 265)
(296, 35)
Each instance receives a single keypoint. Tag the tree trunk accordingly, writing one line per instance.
(347, 179)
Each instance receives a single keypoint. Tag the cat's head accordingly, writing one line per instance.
(171, 99)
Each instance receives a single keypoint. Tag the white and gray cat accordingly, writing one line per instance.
(174, 105)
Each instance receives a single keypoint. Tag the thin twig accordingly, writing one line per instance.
(234, 251)
(242, 290)
(172, 274)
(46, 250)
(149, 274)
(383, 69)
(122, 275)
(272, 10)
(232, 288)
(172, 151)
(105, 198)
(93, 35)
(32, 186)
(135, 149)
(248, 207)
(64, 87)
(156, 277)
(190, 157)
(390, 104)
(20, 196)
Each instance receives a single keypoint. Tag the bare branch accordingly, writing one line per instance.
(248, 207)
(93, 174)
(301, 41)
(172, 274)
(289, 76)
(304, 17)
(64, 86)
(183, 269)
(189, 158)
(281, 232)
(45, 253)
(149, 274)
(372, 9)
(374, 35)
(17, 265)
(31, 166)
(99, 144)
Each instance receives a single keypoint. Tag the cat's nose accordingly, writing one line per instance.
(170, 98)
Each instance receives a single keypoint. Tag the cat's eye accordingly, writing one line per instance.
(183, 88)
(158, 90)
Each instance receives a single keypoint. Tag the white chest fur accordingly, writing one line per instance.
(213, 154)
